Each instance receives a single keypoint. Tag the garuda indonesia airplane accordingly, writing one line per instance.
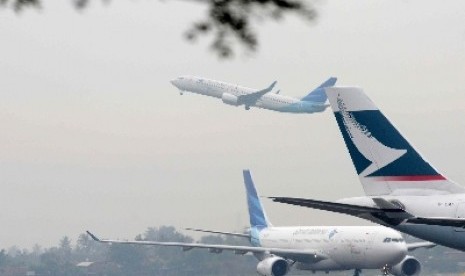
(315, 248)
(403, 190)
(233, 94)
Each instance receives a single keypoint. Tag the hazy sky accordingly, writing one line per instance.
(95, 137)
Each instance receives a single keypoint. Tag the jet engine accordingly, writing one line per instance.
(230, 99)
(273, 266)
(409, 266)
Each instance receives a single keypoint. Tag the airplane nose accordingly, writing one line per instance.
(174, 82)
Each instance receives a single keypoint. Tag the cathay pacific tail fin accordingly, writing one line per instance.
(384, 160)
(318, 95)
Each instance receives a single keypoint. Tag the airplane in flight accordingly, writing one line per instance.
(403, 191)
(314, 248)
(233, 94)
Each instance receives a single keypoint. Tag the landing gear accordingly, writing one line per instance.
(181, 93)
(247, 107)
(385, 270)
(357, 272)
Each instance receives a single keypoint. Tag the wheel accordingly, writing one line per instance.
(385, 270)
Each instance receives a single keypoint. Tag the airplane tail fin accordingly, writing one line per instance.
(257, 214)
(385, 161)
(318, 95)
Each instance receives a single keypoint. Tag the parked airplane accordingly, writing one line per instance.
(236, 95)
(403, 191)
(313, 248)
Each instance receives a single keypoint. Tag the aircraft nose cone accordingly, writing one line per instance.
(174, 82)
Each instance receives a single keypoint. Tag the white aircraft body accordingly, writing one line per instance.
(403, 191)
(236, 95)
(315, 248)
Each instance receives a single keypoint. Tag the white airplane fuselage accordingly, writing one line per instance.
(347, 247)
(440, 206)
(229, 92)
(315, 248)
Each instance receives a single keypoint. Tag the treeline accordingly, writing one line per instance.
(87, 257)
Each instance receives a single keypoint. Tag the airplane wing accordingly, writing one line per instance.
(416, 245)
(390, 214)
(454, 222)
(306, 255)
(242, 235)
(386, 212)
(252, 98)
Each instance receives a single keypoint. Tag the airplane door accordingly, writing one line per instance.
(460, 213)
(370, 240)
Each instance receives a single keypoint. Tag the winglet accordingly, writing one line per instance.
(251, 99)
(93, 236)
(270, 87)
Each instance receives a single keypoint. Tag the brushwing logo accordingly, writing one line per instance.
(332, 233)
(374, 151)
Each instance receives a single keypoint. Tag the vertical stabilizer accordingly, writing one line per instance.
(318, 95)
(257, 214)
(384, 160)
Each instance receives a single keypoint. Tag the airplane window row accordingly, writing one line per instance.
(353, 240)
(308, 240)
(323, 240)
(219, 85)
(279, 100)
(386, 240)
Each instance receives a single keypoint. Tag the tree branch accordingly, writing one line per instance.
(228, 21)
